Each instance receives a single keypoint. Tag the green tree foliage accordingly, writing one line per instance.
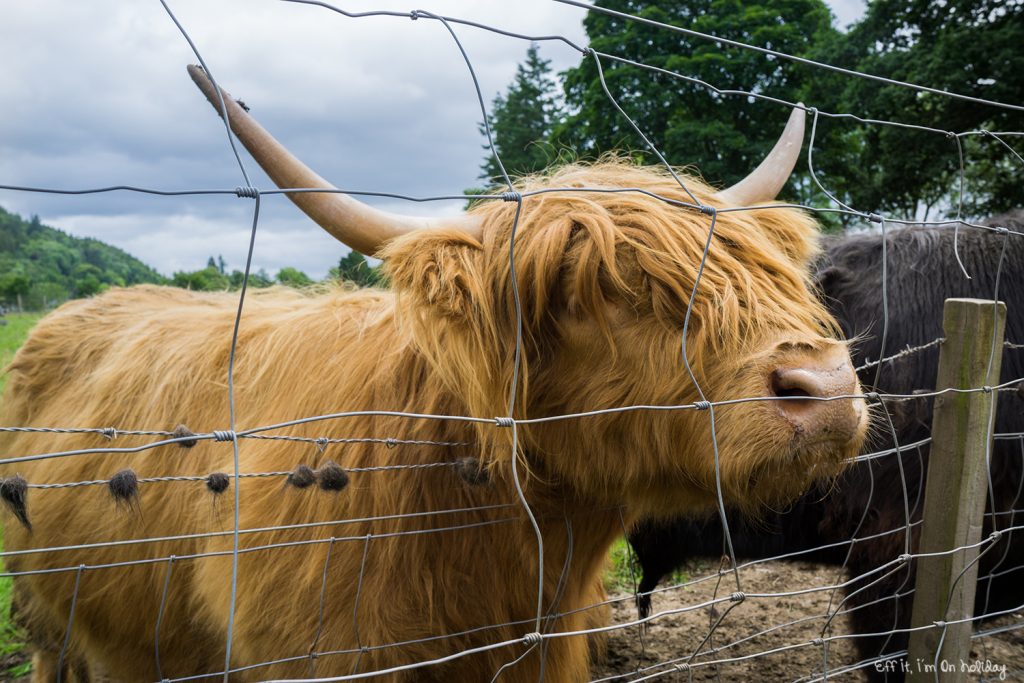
(209, 279)
(213, 279)
(353, 267)
(14, 286)
(293, 277)
(260, 279)
(41, 266)
(522, 119)
(965, 46)
(725, 136)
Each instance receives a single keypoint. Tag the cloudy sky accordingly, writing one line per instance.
(95, 94)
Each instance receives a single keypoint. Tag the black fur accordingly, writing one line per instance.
(14, 492)
(922, 273)
(301, 477)
(331, 476)
(218, 482)
(124, 487)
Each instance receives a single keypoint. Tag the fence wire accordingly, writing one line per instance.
(718, 644)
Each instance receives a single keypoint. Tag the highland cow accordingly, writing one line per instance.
(435, 557)
(867, 501)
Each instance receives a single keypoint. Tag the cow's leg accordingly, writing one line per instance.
(44, 668)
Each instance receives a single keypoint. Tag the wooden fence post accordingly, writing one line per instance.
(955, 492)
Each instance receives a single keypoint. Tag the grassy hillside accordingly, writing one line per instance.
(42, 266)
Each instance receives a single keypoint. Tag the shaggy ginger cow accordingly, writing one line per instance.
(605, 280)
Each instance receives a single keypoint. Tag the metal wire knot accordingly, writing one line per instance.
(249, 192)
(505, 421)
(702, 405)
(109, 432)
(225, 435)
(738, 596)
(532, 638)
(511, 196)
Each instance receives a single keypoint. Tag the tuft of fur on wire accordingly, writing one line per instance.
(473, 471)
(218, 482)
(302, 477)
(14, 492)
(331, 476)
(182, 431)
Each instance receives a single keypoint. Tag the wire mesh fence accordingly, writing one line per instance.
(474, 553)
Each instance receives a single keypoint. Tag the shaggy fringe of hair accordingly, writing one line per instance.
(599, 254)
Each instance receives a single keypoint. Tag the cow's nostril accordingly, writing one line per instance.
(795, 383)
(808, 386)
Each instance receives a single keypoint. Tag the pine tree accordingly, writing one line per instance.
(353, 267)
(522, 119)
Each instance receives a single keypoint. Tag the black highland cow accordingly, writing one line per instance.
(868, 498)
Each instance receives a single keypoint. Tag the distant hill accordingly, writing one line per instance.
(41, 266)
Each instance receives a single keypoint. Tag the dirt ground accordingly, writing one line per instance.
(676, 636)
(633, 655)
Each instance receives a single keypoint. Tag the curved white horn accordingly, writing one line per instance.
(361, 227)
(768, 179)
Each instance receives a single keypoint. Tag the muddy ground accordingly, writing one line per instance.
(676, 636)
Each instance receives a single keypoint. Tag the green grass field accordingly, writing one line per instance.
(13, 662)
(12, 335)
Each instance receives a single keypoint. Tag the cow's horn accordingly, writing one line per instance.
(361, 227)
(771, 175)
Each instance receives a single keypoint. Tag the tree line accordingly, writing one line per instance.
(41, 267)
(352, 267)
(966, 46)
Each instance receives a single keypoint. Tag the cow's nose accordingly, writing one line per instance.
(802, 378)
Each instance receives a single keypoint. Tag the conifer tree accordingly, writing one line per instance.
(522, 119)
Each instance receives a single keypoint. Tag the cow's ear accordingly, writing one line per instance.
(830, 278)
(438, 271)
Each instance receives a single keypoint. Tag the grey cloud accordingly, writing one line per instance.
(96, 93)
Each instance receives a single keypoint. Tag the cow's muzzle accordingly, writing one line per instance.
(817, 392)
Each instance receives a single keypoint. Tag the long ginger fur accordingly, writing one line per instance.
(604, 281)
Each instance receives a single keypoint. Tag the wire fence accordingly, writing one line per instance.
(725, 628)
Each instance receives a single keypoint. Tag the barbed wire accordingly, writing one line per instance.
(462, 463)
(232, 436)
